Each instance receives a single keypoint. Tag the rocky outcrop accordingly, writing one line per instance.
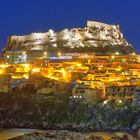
(52, 135)
(96, 37)
(67, 135)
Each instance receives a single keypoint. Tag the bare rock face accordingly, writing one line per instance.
(67, 135)
(96, 37)
(52, 135)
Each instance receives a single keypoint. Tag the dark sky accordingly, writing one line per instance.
(21, 17)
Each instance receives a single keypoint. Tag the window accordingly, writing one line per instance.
(132, 89)
(119, 89)
(82, 91)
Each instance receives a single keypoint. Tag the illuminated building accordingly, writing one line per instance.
(15, 57)
(86, 92)
(121, 92)
(136, 99)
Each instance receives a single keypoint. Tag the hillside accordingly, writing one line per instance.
(96, 37)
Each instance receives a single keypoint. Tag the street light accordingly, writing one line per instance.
(117, 53)
(59, 53)
(45, 54)
(120, 101)
(24, 52)
(105, 102)
(112, 56)
(79, 65)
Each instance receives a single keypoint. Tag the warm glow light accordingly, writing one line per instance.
(117, 53)
(112, 56)
(1, 71)
(105, 102)
(24, 52)
(59, 53)
(45, 53)
(26, 76)
(79, 65)
(26, 65)
(120, 101)
(36, 70)
(17, 76)
(133, 53)
(4, 66)
(64, 73)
